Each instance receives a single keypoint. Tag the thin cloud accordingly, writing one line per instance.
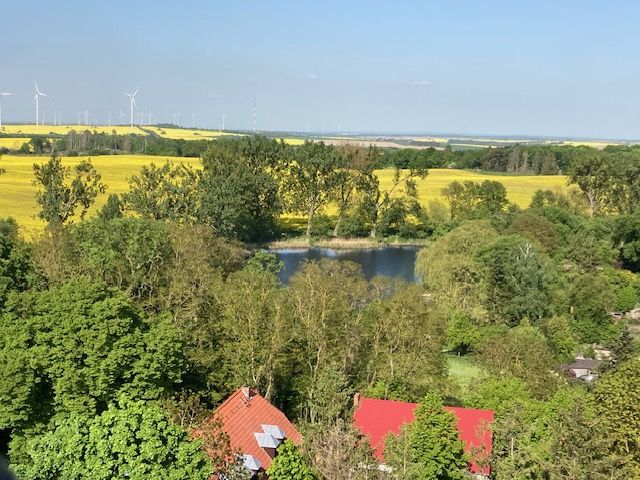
(421, 83)
(311, 76)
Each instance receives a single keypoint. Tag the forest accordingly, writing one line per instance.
(122, 330)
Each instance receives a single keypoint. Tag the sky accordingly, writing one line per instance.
(538, 68)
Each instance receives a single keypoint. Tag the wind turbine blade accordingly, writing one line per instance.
(136, 92)
(133, 99)
(6, 94)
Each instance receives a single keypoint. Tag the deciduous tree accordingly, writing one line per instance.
(289, 464)
(129, 441)
(60, 195)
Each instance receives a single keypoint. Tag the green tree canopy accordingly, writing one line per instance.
(469, 199)
(516, 279)
(169, 192)
(239, 188)
(75, 347)
(616, 394)
(60, 194)
(311, 179)
(289, 464)
(129, 441)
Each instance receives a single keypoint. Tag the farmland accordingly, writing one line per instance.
(187, 134)
(17, 191)
(13, 143)
(65, 129)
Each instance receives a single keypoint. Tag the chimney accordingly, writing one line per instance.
(356, 400)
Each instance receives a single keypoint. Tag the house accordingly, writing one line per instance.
(255, 428)
(583, 368)
(377, 418)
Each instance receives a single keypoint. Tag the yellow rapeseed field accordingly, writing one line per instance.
(17, 191)
(590, 143)
(64, 129)
(13, 143)
(187, 134)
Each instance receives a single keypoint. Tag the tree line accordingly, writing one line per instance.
(516, 159)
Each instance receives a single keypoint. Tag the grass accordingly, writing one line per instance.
(338, 243)
(17, 191)
(463, 370)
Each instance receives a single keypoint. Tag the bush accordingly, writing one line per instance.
(353, 226)
(321, 226)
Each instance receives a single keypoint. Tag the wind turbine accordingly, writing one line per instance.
(3, 94)
(132, 102)
(36, 98)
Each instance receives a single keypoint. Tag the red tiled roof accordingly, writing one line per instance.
(377, 418)
(241, 417)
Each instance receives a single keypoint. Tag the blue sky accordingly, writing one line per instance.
(480, 67)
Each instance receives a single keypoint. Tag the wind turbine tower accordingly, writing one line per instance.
(36, 98)
(3, 94)
(255, 114)
(132, 102)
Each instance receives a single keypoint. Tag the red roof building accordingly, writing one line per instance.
(377, 418)
(255, 428)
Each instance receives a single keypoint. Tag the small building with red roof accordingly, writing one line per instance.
(255, 428)
(377, 418)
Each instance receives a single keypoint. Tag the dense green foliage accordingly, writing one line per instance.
(132, 440)
(289, 464)
(121, 332)
(61, 195)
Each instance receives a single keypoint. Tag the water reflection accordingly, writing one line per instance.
(387, 261)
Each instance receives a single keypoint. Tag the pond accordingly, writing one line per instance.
(387, 261)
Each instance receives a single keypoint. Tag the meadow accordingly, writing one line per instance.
(17, 191)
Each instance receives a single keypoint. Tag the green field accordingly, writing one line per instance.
(463, 370)
(17, 191)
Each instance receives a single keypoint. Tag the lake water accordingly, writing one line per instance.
(387, 261)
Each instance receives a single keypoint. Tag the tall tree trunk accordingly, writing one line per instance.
(374, 224)
(312, 209)
(336, 229)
